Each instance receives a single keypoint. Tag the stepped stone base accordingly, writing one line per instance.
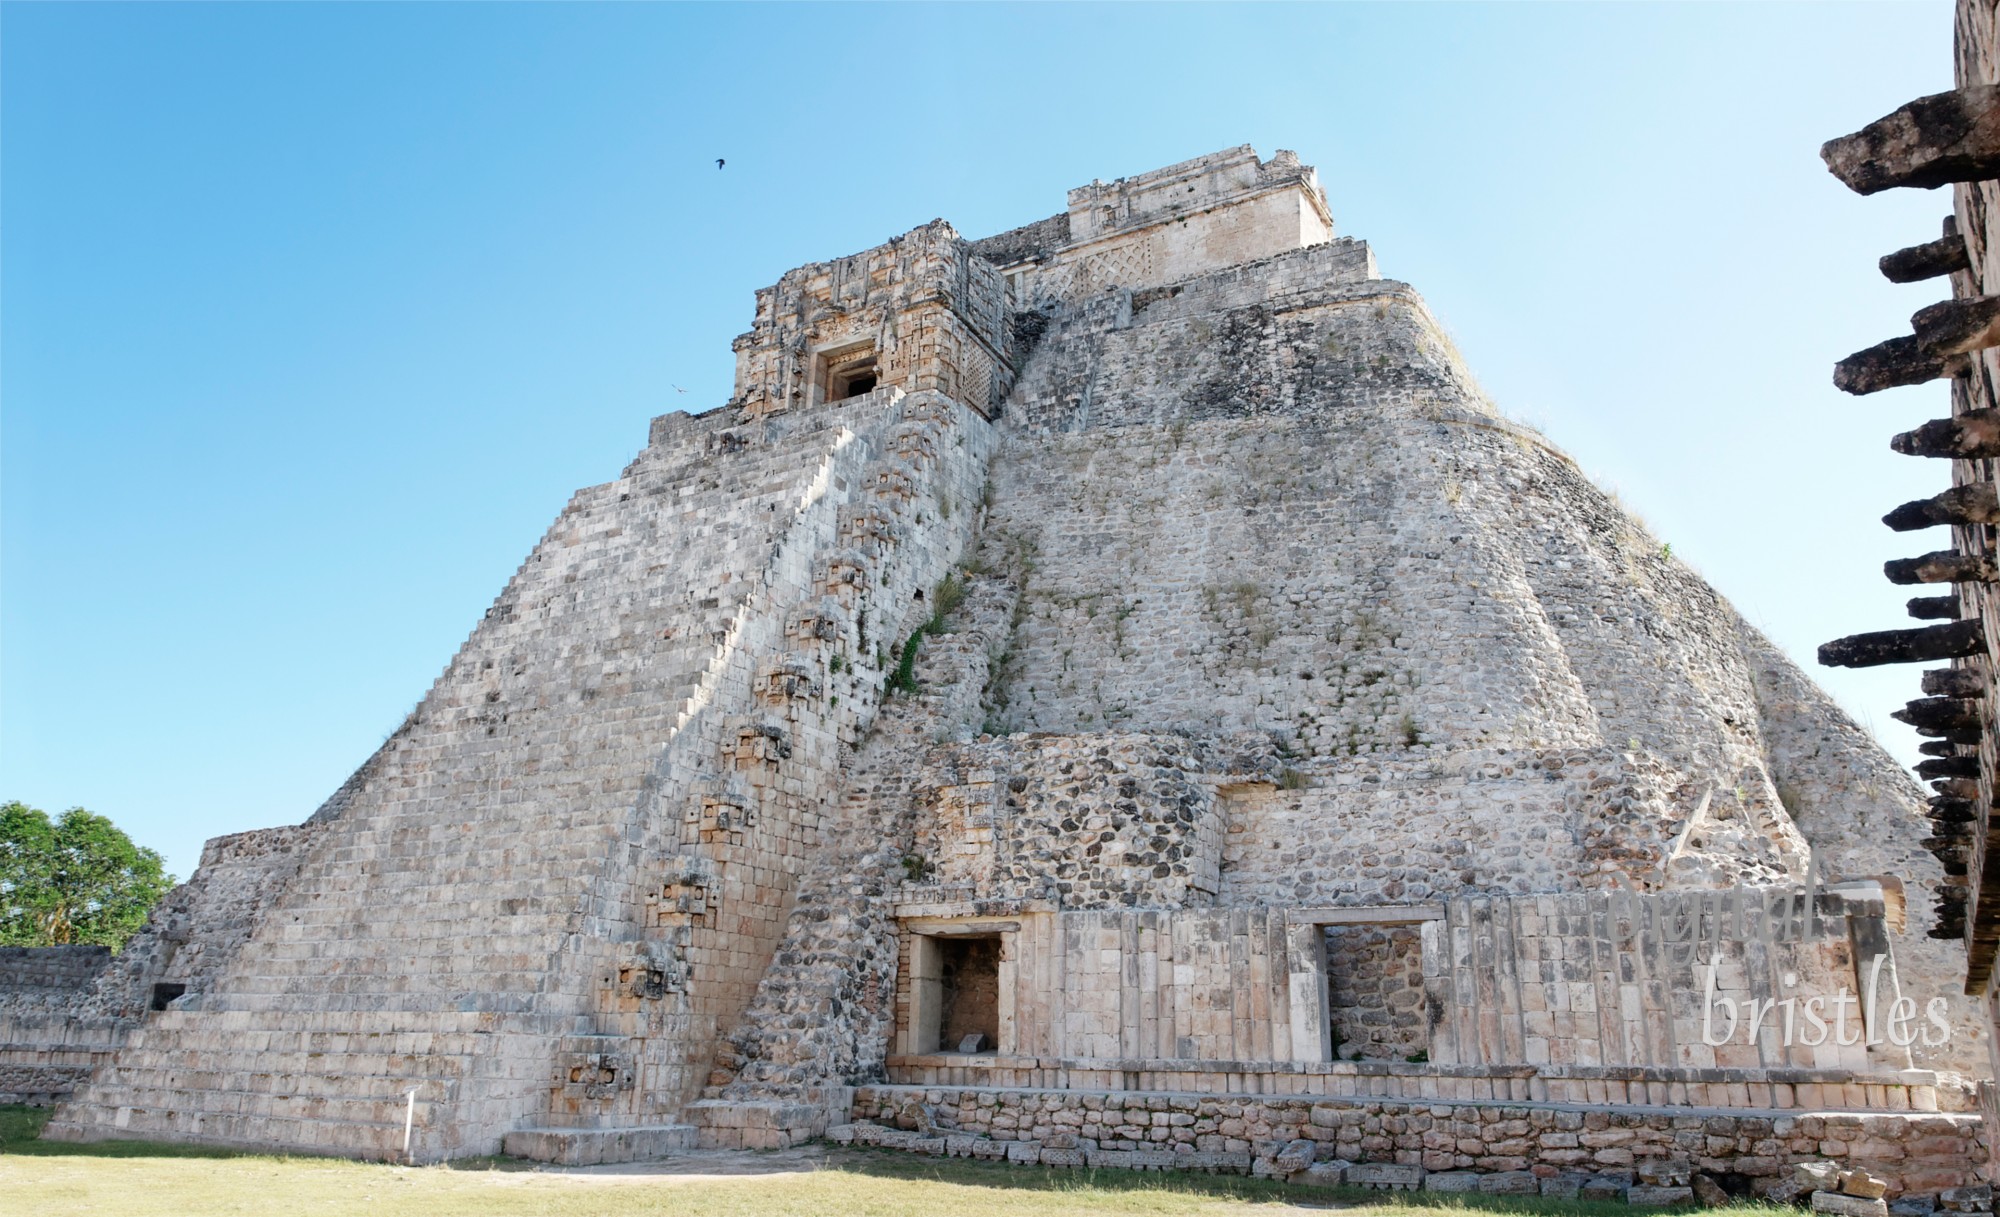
(726, 1124)
(596, 1146)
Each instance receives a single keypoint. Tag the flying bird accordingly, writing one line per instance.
(718, 162)
(678, 389)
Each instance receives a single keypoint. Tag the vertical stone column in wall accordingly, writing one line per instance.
(1305, 968)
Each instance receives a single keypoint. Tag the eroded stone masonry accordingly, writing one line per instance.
(1115, 692)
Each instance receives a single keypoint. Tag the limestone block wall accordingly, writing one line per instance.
(1375, 992)
(1219, 210)
(1976, 54)
(1616, 978)
(192, 935)
(1410, 597)
(741, 799)
(49, 976)
(468, 884)
(1587, 979)
(824, 1011)
(1916, 1154)
(1501, 821)
(1089, 821)
(69, 1009)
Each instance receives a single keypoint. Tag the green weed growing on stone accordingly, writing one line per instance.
(945, 599)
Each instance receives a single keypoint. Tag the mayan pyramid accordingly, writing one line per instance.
(1128, 655)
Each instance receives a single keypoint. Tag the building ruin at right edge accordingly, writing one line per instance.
(1948, 139)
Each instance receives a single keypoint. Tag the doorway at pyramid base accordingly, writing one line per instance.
(1739, 1030)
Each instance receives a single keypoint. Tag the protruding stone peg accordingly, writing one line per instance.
(1946, 137)
(1966, 737)
(1954, 682)
(1923, 644)
(1944, 566)
(1934, 608)
(1950, 713)
(1977, 503)
(1927, 261)
(1957, 788)
(1937, 747)
(1957, 327)
(1949, 767)
(1952, 811)
(1887, 365)
(1971, 435)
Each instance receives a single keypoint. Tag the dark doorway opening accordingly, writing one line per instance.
(969, 1005)
(851, 379)
(165, 993)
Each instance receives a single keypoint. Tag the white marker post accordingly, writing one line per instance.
(409, 1121)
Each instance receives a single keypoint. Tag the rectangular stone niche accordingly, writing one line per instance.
(955, 991)
(1375, 992)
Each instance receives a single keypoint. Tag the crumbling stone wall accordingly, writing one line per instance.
(1086, 821)
(1375, 992)
(45, 976)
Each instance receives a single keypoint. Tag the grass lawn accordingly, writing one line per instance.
(139, 1179)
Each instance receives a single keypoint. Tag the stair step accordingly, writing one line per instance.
(593, 1146)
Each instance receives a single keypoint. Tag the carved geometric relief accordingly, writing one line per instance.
(594, 1075)
(868, 527)
(841, 575)
(814, 623)
(719, 820)
(758, 747)
(785, 681)
(894, 482)
(915, 444)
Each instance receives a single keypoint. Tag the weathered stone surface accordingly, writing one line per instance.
(1452, 1181)
(1295, 1156)
(1708, 1192)
(1848, 1206)
(1861, 1183)
(1915, 263)
(1892, 364)
(1132, 647)
(1509, 1183)
(1647, 1195)
(1945, 137)
(1390, 1176)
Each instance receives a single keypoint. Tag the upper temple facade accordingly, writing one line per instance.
(1120, 666)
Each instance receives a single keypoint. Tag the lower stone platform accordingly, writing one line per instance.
(767, 1124)
(597, 1146)
(1776, 1089)
(1918, 1153)
(46, 1056)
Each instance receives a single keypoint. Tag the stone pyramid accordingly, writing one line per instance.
(1130, 649)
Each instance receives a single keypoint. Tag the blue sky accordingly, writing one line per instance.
(312, 317)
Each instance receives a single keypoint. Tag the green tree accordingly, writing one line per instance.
(74, 879)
